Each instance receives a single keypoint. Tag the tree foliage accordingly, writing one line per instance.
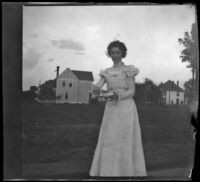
(139, 96)
(47, 93)
(33, 88)
(29, 95)
(190, 54)
(147, 91)
(47, 90)
(188, 89)
(153, 92)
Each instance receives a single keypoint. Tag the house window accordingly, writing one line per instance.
(63, 83)
(70, 84)
(66, 95)
(177, 93)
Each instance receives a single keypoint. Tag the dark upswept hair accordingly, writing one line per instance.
(118, 44)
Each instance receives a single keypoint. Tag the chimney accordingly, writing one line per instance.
(57, 71)
(178, 83)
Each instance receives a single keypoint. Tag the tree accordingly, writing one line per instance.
(47, 93)
(139, 96)
(47, 90)
(188, 89)
(190, 54)
(152, 91)
(33, 88)
(29, 95)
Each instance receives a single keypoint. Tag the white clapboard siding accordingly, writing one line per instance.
(77, 93)
(172, 97)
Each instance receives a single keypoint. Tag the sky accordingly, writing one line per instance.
(77, 37)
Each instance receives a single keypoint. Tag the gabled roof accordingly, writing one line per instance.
(170, 85)
(84, 75)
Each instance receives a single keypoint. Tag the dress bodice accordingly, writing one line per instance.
(119, 78)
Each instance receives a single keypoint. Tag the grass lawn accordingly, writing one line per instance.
(57, 135)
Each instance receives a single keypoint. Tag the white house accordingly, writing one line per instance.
(73, 86)
(172, 93)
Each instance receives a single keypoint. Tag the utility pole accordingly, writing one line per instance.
(57, 74)
(57, 71)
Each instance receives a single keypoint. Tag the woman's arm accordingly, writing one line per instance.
(102, 79)
(97, 86)
(131, 72)
(130, 92)
(100, 82)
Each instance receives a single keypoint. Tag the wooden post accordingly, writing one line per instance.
(11, 88)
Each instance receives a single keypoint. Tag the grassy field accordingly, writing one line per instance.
(66, 134)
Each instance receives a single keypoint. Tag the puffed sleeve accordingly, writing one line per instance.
(131, 71)
(103, 73)
(102, 79)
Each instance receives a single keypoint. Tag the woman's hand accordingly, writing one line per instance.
(113, 97)
(96, 90)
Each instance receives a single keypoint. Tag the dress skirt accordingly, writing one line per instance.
(119, 150)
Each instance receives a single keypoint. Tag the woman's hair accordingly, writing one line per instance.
(118, 44)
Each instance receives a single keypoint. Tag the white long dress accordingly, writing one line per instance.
(119, 150)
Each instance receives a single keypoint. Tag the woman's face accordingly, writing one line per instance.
(116, 54)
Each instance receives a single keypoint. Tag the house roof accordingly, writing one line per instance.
(170, 85)
(84, 75)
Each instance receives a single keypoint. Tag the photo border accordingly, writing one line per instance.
(12, 35)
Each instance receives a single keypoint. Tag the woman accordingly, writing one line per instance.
(119, 150)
